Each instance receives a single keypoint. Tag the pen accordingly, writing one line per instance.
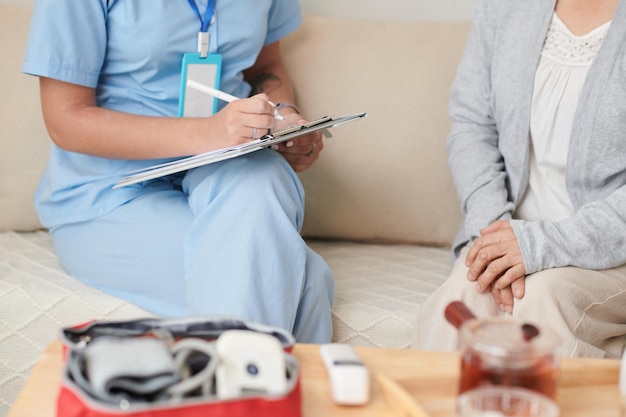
(224, 96)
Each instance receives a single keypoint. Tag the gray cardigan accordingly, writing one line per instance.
(488, 144)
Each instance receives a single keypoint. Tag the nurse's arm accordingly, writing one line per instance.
(75, 123)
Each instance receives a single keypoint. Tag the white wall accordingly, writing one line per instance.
(401, 10)
(16, 2)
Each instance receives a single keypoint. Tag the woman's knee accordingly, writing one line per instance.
(554, 290)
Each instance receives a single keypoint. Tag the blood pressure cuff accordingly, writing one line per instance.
(115, 370)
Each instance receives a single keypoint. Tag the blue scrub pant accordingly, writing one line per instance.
(224, 241)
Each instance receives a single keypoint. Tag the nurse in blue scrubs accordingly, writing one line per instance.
(222, 239)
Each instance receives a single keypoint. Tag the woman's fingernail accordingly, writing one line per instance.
(289, 144)
(470, 276)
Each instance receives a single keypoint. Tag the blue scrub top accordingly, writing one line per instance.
(131, 51)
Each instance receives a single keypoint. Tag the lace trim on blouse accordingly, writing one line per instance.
(562, 46)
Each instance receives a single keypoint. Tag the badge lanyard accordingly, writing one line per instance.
(202, 67)
(205, 22)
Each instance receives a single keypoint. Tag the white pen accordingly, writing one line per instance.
(224, 96)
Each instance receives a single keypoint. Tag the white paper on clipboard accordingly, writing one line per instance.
(195, 161)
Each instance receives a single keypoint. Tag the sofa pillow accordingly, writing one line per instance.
(24, 143)
(384, 178)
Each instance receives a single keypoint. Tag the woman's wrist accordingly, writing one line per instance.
(286, 107)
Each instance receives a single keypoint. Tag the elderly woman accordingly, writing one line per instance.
(538, 154)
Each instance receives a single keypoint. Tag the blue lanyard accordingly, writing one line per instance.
(208, 14)
(203, 35)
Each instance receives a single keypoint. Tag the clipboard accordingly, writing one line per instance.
(265, 141)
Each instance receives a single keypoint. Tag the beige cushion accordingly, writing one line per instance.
(384, 177)
(24, 143)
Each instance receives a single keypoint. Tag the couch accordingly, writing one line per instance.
(380, 203)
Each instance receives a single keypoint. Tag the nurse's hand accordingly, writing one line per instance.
(243, 120)
(302, 151)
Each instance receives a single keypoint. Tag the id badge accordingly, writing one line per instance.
(194, 103)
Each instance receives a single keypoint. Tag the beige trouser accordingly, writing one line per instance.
(586, 308)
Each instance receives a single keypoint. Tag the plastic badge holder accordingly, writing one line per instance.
(136, 342)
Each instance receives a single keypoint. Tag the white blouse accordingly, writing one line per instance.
(563, 66)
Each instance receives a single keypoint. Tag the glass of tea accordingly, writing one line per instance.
(505, 352)
(492, 401)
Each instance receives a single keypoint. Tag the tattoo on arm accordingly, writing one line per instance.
(265, 82)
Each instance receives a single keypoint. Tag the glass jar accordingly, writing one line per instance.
(500, 351)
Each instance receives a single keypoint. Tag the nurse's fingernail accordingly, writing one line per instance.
(289, 144)
(274, 147)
